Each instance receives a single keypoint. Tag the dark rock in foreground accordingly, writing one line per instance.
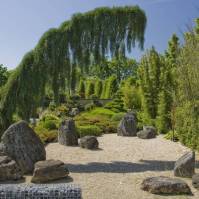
(128, 125)
(165, 185)
(36, 191)
(9, 169)
(185, 166)
(89, 142)
(49, 170)
(195, 181)
(22, 144)
(67, 133)
(148, 132)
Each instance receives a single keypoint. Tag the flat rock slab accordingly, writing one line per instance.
(9, 169)
(89, 142)
(22, 144)
(185, 165)
(165, 185)
(33, 191)
(49, 170)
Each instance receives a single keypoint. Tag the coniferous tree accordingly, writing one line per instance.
(90, 89)
(81, 89)
(149, 79)
(98, 88)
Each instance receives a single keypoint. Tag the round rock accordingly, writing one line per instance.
(89, 142)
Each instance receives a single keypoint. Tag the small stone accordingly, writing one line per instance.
(67, 134)
(9, 169)
(195, 181)
(185, 166)
(49, 170)
(128, 125)
(89, 142)
(148, 132)
(165, 185)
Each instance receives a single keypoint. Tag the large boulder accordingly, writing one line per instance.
(148, 132)
(89, 142)
(165, 185)
(9, 169)
(49, 170)
(22, 144)
(128, 125)
(185, 166)
(195, 181)
(67, 134)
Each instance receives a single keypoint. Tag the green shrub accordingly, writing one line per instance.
(117, 117)
(89, 130)
(45, 135)
(50, 125)
(172, 136)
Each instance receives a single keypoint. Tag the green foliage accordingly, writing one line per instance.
(131, 95)
(3, 75)
(118, 117)
(98, 88)
(117, 104)
(111, 87)
(46, 135)
(89, 130)
(90, 89)
(149, 76)
(50, 125)
(81, 89)
(172, 135)
(89, 107)
(86, 38)
(100, 117)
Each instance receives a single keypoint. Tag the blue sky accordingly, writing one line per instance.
(24, 21)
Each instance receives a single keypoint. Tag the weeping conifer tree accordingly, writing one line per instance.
(86, 38)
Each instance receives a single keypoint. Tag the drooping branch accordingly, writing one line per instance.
(87, 38)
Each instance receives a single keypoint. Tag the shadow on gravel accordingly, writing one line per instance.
(122, 167)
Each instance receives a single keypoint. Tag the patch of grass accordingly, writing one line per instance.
(105, 119)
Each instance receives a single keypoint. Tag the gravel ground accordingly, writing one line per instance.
(116, 170)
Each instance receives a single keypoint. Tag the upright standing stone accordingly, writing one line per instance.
(22, 144)
(67, 133)
(128, 125)
(185, 166)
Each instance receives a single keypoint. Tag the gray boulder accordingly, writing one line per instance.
(74, 112)
(9, 169)
(89, 142)
(22, 144)
(128, 125)
(49, 170)
(148, 132)
(165, 185)
(67, 134)
(195, 181)
(185, 166)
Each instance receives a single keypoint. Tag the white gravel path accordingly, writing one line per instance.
(116, 170)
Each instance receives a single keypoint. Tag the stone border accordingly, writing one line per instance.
(40, 191)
